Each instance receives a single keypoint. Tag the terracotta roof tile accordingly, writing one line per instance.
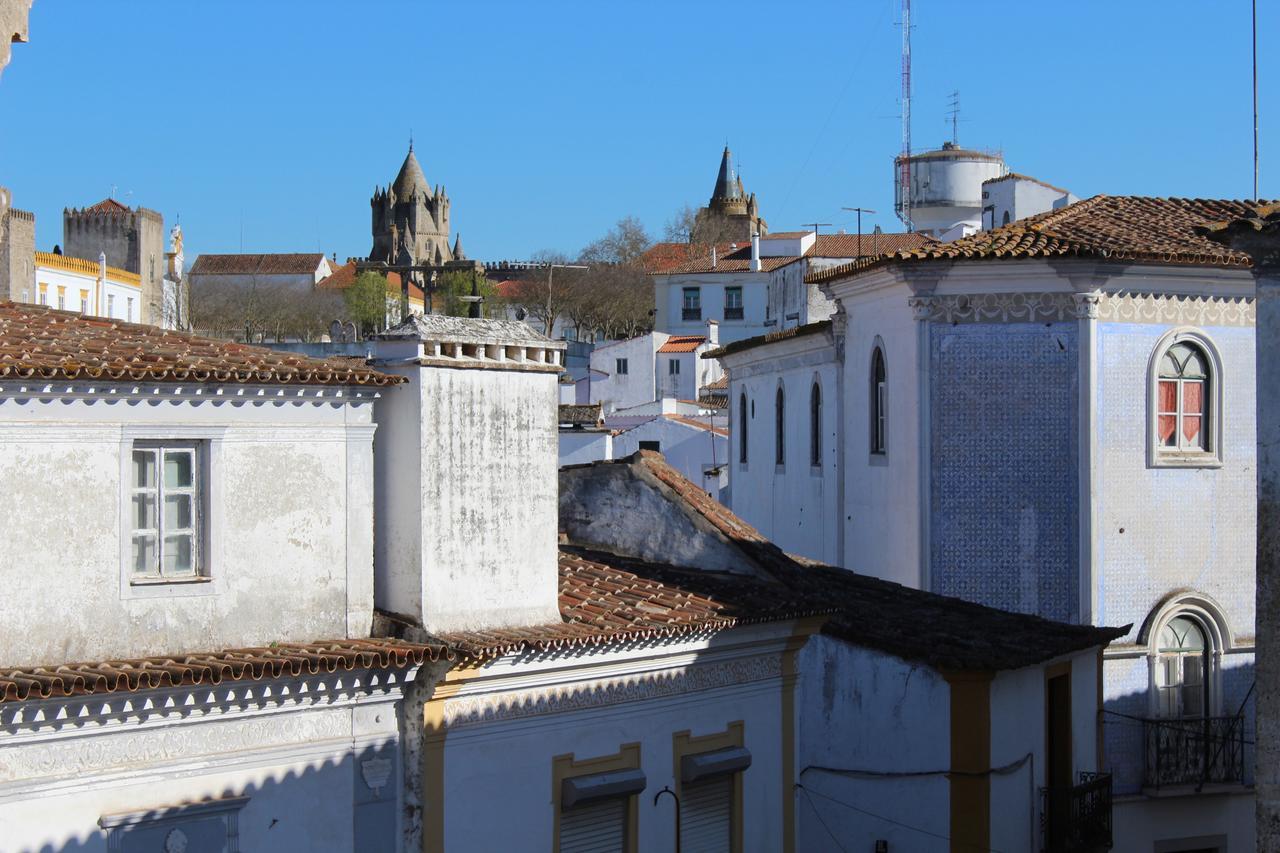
(682, 343)
(1128, 228)
(43, 343)
(344, 276)
(107, 205)
(292, 263)
(249, 664)
(669, 258)
(817, 328)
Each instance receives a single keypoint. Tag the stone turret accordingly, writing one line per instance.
(731, 215)
(17, 250)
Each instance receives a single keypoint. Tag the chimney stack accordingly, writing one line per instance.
(465, 478)
(755, 251)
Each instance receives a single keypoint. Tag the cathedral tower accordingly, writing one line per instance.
(410, 220)
(731, 215)
(132, 238)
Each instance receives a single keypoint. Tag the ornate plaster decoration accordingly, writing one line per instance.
(375, 772)
(575, 696)
(1124, 307)
(1003, 307)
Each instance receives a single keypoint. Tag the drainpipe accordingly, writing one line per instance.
(1258, 235)
(98, 298)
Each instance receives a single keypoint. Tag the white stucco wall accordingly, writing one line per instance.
(794, 504)
(512, 724)
(867, 711)
(293, 748)
(124, 295)
(668, 296)
(636, 386)
(586, 445)
(289, 520)
(466, 496)
(883, 501)
(689, 449)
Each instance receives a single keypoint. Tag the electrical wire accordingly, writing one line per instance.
(927, 832)
(818, 815)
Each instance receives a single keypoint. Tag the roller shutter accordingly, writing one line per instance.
(706, 813)
(599, 827)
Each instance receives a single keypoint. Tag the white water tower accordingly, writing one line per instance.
(946, 189)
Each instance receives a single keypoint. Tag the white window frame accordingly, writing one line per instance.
(208, 554)
(1208, 614)
(673, 367)
(1159, 456)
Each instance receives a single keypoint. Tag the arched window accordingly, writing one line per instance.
(742, 428)
(878, 401)
(779, 442)
(1182, 669)
(815, 425)
(1182, 399)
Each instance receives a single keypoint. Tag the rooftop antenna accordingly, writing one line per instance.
(953, 116)
(904, 161)
(875, 240)
(1255, 100)
(815, 226)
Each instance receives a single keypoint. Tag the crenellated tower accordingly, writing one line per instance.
(410, 219)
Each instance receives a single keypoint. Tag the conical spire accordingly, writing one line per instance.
(726, 185)
(457, 249)
(411, 179)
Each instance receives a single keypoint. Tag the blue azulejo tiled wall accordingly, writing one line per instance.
(1004, 482)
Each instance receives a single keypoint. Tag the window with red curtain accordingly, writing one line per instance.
(1181, 399)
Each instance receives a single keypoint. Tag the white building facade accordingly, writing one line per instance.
(87, 287)
(1014, 429)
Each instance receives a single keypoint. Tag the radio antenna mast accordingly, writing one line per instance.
(953, 115)
(904, 160)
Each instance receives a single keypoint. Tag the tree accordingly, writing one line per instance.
(453, 286)
(366, 302)
(679, 228)
(623, 243)
(253, 312)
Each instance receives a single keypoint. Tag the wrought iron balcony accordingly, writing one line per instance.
(690, 314)
(1077, 819)
(733, 312)
(1194, 751)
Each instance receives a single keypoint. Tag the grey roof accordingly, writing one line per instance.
(441, 327)
(411, 179)
(726, 185)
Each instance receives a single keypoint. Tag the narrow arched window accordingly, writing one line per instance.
(742, 428)
(1182, 669)
(1182, 399)
(815, 425)
(878, 401)
(779, 442)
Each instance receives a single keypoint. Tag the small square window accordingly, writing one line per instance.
(673, 367)
(165, 511)
(620, 366)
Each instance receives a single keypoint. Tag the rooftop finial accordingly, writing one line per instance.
(410, 139)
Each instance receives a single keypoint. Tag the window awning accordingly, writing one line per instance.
(730, 760)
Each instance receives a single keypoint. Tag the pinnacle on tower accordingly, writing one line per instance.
(726, 186)
(457, 249)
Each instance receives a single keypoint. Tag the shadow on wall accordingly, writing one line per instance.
(292, 811)
(1145, 753)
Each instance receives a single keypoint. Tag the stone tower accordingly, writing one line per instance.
(17, 250)
(731, 215)
(131, 238)
(410, 221)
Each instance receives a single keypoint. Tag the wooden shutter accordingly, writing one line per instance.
(600, 827)
(706, 815)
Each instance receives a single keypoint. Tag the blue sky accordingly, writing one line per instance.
(548, 121)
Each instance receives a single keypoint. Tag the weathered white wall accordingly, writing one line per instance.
(466, 508)
(794, 504)
(507, 729)
(867, 711)
(290, 523)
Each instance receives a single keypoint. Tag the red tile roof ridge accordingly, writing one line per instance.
(197, 668)
(44, 343)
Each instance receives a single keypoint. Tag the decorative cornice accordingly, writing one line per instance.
(1124, 307)
(576, 696)
(1004, 307)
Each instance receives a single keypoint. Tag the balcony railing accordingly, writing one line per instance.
(690, 314)
(1194, 751)
(1077, 819)
(733, 312)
